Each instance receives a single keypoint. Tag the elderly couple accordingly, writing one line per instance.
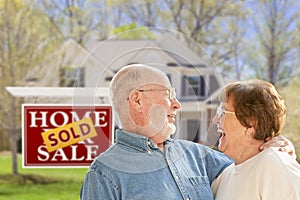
(145, 163)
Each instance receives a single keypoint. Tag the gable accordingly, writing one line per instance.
(180, 52)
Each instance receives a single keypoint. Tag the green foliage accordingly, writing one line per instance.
(129, 31)
(27, 39)
(36, 184)
(292, 98)
(28, 179)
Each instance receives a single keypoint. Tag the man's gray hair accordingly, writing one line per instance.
(126, 80)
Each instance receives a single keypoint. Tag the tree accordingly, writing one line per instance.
(79, 19)
(216, 25)
(292, 127)
(145, 13)
(272, 47)
(213, 24)
(26, 38)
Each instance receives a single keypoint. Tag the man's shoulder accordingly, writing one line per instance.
(190, 144)
(197, 149)
(184, 142)
(108, 155)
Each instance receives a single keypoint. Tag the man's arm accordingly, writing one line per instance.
(97, 187)
(282, 143)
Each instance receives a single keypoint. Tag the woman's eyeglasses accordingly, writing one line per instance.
(221, 111)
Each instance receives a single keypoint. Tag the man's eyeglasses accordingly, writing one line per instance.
(169, 91)
(221, 111)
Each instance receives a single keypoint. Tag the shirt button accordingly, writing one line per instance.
(176, 177)
(187, 199)
(149, 152)
(148, 142)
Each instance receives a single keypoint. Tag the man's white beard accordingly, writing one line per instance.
(158, 122)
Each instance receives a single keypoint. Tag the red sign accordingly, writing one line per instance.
(74, 135)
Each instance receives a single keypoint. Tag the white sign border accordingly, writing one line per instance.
(65, 104)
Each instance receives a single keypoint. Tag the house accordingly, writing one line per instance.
(196, 80)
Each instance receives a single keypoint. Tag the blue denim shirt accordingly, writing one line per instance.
(133, 168)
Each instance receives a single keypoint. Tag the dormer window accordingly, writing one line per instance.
(68, 76)
(193, 87)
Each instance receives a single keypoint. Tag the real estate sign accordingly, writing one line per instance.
(65, 135)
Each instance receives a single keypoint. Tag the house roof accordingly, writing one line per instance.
(179, 50)
(166, 52)
(111, 50)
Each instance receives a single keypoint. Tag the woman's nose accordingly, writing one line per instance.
(215, 119)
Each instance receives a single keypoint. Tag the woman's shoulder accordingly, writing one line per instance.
(276, 160)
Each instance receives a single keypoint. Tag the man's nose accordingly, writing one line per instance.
(175, 103)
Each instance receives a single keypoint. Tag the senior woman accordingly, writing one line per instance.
(250, 113)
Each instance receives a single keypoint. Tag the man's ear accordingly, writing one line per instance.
(135, 100)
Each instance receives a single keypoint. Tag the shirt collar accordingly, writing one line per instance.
(136, 141)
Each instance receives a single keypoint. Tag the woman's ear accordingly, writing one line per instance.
(250, 131)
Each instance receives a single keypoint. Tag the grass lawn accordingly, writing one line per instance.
(39, 184)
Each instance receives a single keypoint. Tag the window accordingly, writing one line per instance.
(70, 76)
(193, 87)
(193, 126)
